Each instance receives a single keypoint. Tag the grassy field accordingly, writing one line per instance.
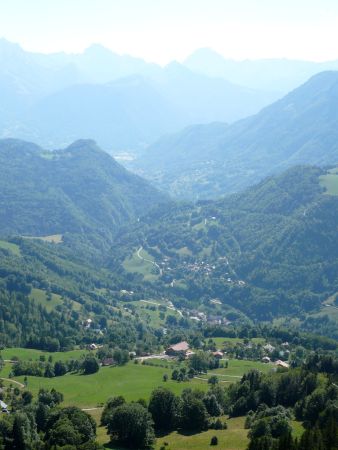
(26, 354)
(237, 368)
(233, 438)
(133, 381)
(330, 182)
(13, 248)
(40, 297)
(138, 265)
(219, 340)
(145, 309)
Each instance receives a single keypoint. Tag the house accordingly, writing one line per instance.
(283, 364)
(3, 406)
(108, 362)
(269, 348)
(218, 354)
(87, 323)
(180, 348)
(92, 347)
(266, 359)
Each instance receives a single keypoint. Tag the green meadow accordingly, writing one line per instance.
(138, 265)
(219, 341)
(133, 381)
(40, 297)
(9, 246)
(330, 182)
(27, 354)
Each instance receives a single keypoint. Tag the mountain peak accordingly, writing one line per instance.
(83, 144)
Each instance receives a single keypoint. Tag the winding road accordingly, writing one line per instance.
(148, 260)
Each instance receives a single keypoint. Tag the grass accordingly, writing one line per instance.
(136, 265)
(233, 438)
(219, 341)
(9, 246)
(184, 251)
(149, 315)
(238, 367)
(40, 297)
(330, 182)
(133, 381)
(297, 429)
(27, 354)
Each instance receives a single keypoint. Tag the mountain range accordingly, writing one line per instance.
(206, 161)
(122, 102)
(279, 75)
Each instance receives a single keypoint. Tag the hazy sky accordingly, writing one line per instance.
(163, 30)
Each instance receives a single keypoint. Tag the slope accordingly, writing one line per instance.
(269, 251)
(79, 189)
(300, 128)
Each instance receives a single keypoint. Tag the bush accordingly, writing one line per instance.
(214, 440)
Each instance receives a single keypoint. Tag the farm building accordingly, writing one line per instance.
(178, 349)
(280, 363)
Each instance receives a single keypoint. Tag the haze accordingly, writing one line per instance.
(163, 30)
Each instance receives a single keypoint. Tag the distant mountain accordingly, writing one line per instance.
(204, 99)
(280, 75)
(79, 189)
(301, 128)
(124, 114)
(124, 103)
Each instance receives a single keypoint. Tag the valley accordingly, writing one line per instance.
(184, 293)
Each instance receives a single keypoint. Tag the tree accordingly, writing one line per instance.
(27, 397)
(90, 365)
(163, 408)
(50, 398)
(213, 380)
(199, 361)
(25, 435)
(111, 404)
(70, 426)
(60, 368)
(132, 425)
(214, 440)
(213, 407)
(193, 413)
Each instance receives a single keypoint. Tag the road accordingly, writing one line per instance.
(13, 381)
(149, 260)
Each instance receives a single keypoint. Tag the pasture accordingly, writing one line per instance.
(140, 262)
(330, 182)
(219, 341)
(27, 354)
(9, 246)
(41, 298)
(133, 381)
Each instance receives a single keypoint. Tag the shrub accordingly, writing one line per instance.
(214, 440)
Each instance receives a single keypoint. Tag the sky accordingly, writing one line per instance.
(166, 30)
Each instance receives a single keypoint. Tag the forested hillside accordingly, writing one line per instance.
(77, 190)
(298, 129)
(270, 251)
